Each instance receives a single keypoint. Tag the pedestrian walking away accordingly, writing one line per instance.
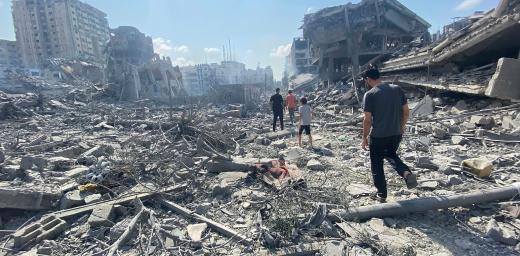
(291, 104)
(305, 121)
(277, 106)
(385, 115)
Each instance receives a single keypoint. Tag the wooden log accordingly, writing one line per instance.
(425, 204)
(214, 225)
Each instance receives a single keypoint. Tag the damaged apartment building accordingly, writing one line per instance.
(479, 58)
(134, 71)
(346, 36)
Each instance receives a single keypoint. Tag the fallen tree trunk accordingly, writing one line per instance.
(214, 225)
(128, 232)
(425, 204)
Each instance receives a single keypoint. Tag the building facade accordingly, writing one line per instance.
(67, 29)
(299, 59)
(10, 54)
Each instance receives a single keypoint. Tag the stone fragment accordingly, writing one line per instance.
(326, 152)
(509, 123)
(486, 122)
(71, 199)
(102, 215)
(357, 190)
(480, 167)
(315, 165)
(454, 180)
(430, 185)
(222, 189)
(33, 163)
(499, 234)
(334, 248)
(59, 163)
(92, 198)
(423, 107)
(439, 133)
(426, 163)
(279, 144)
(459, 140)
(77, 172)
(195, 232)
(504, 82)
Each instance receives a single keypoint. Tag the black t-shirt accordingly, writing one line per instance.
(277, 101)
(385, 102)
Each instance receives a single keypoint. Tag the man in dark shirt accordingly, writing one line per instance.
(277, 106)
(386, 113)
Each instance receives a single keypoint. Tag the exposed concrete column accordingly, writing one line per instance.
(330, 70)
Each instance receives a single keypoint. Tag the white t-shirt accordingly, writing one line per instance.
(305, 114)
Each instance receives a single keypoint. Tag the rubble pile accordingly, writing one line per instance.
(139, 178)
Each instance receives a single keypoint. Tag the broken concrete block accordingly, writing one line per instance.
(494, 231)
(98, 151)
(509, 123)
(92, 198)
(195, 232)
(10, 172)
(486, 122)
(222, 189)
(71, 199)
(426, 163)
(102, 215)
(334, 248)
(315, 165)
(77, 172)
(504, 83)
(480, 167)
(279, 144)
(454, 180)
(439, 133)
(459, 140)
(44, 250)
(27, 199)
(33, 163)
(424, 107)
(59, 163)
(47, 228)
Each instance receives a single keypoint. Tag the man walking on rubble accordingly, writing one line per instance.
(291, 103)
(385, 115)
(277, 106)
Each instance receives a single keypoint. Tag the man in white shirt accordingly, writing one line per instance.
(305, 121)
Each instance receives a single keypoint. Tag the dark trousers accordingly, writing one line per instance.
(276, 115)
(385, 148)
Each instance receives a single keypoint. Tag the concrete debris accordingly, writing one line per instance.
(117, 159)
(479, 167)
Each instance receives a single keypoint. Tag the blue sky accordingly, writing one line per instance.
(191, 31)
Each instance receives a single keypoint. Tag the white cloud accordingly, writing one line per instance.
(468, 4)
(181, 49)
(211, 50)
(281, 51)
(309, 10)
(162, 46)
(181, 61)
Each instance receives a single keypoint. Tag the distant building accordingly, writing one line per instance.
(206, 78)
(67, 29)
(299, 60)
(10, 54)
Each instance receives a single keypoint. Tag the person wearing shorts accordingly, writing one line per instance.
(305, 121)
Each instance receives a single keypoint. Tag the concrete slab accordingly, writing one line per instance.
(102, 215)
(505, 83)
(26, 199)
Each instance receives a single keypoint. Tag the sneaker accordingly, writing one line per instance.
(378, 198)
(411, 181)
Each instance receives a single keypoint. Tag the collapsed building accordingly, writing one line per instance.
(134, 71)
(346, 36)
(480, 58)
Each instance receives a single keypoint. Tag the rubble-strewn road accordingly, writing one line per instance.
(84, 178)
